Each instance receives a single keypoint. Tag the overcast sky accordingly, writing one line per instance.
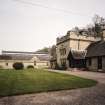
(28, 25)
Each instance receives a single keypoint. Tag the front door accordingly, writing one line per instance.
(99, 62)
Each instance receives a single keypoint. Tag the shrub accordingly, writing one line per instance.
(30, 67)
(18, 65)
(63, 67)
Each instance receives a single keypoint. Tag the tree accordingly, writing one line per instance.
(45, 49)
(90, 30)
(76, 30)
(98, 20)
(53, 51)
(99, 23)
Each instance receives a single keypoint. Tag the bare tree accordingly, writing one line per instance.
(99, 24)
(53, 51)
(90, 30)
(98, 19)
(76, 30)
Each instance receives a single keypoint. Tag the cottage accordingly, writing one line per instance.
(95, 58)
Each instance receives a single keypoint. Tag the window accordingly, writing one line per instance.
(63, 51)
(63, 62)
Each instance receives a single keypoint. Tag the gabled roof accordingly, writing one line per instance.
(96, 49)
(23, 52)
(77, 54)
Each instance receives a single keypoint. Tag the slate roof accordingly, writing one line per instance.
(21, 55)
(24, 57)
(15, 57)
(96, 49)
(5, 57)
(43, 57)
(23, 52)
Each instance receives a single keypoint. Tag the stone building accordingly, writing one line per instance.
(35, 59)
(95, 58)
(72, 41)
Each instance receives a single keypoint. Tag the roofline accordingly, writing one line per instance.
(73, 39)
(22, 52)
(95, 56)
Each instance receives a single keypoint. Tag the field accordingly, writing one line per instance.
(15, 82)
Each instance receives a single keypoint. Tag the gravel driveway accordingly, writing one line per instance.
(86, 96)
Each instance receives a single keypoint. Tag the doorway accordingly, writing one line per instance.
(99, 62)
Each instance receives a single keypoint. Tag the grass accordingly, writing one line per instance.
(14, 82)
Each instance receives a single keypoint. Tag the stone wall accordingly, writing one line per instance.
(65, 45)
(94, 64)
(8, 64)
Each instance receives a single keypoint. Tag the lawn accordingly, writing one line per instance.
(14, 82)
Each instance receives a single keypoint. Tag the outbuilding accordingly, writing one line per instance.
(95, 57)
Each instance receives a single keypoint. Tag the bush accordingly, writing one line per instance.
(63, 67)
(18, 66)
(30, 67)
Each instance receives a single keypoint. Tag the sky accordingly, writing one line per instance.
(29, 25)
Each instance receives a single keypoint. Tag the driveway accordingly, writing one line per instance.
(86, 96)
